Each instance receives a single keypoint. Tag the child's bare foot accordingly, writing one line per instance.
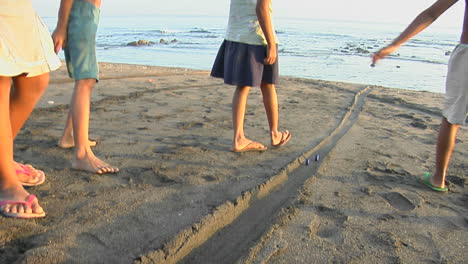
(93, 164)
(67, 141)
(20, 204)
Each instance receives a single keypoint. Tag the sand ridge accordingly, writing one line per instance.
(169, 129)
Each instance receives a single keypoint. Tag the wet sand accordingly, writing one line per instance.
(180, 188)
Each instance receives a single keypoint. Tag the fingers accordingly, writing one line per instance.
(375, 58)
(59, 39)
(269, 60)
(271, 56)
(57, 46)
(378, 56)
(382, 53)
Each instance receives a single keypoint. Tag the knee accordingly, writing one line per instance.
(267, 86)
(85, 85)
(243, 88)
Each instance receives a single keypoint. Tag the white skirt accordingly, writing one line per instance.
(25, 42)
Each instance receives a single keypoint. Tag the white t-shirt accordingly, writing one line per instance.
(243, 25)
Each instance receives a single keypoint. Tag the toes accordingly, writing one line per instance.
(16, 209)
(13, 208)
(8, 208)
(36, 208)
(27, 210)
(258, 145)
(20, 209)
(107, 169)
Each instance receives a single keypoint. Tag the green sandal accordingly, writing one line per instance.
(427, 181)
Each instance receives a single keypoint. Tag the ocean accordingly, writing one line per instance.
(317, 49)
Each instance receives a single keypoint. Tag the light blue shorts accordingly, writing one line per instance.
(80, 49)
(456, 90)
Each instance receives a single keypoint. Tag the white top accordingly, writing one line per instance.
(25, 42)
(243, 25)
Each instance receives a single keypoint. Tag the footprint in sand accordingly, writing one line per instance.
(388, 168)
(416, 121)
(189, 125)
(328, 224)
(456, 180)
(419, 123)
(398, 201)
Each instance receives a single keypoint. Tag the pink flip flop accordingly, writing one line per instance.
(28, 203)
(27, 171)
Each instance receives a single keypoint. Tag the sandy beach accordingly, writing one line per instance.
(182, 197)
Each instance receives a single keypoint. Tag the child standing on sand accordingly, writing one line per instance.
(26, 58)
(456, 90)
(76, 33)
(248, 57)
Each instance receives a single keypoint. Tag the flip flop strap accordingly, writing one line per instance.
(24, 167)
(28, 203)
(23, 172)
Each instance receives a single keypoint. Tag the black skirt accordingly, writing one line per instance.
(242, 64)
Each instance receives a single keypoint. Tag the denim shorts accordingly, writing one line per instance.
(80, 49)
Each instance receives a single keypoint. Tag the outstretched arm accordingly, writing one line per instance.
(264, 18)
(59, 35)
(421, 22)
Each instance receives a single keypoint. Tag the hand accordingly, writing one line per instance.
(383, 53)
(59, 37)
(271, 55)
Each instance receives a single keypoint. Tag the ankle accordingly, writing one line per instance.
(238, 139)
(83, 152)
(437, 180)
(274, 133)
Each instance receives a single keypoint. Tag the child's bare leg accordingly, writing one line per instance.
(84, 158)
(270, 101)
(445, 145)
(67, 140)
(26, 93)
(10, 186)
(239, 104)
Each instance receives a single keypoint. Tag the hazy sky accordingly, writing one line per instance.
(401, 11)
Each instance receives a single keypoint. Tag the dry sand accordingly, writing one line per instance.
(182, 196)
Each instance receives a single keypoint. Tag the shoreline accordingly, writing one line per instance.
(409, 88)
(169, 130)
